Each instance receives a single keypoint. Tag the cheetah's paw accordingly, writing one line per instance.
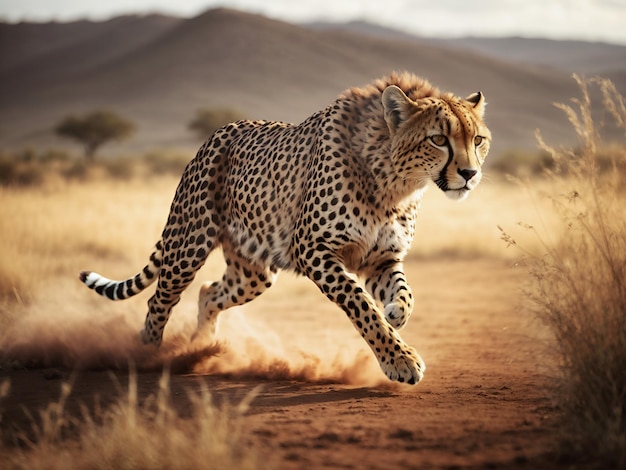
(207, 329)
(396, 315)
(406, 367)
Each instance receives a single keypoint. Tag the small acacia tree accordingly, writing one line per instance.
(95, 129)
(207, 121)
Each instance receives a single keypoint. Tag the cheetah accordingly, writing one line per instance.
(333, 198)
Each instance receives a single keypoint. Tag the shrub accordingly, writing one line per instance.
(580, 288)
(207, 121)
(21, 170)
(29, 168)
(521, 163)
(164, 163)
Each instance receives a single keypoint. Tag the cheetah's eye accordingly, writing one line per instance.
(478, 140)
(439, 140)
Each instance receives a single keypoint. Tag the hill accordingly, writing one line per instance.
(24, 45)
(159, 70)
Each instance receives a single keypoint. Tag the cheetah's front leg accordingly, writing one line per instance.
(387, 283)
(398, 361)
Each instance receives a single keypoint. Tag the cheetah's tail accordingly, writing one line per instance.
(120, 290)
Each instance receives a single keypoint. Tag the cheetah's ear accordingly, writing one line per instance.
(397, 107)
(477, 100)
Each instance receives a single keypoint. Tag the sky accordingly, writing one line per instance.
(593, 20)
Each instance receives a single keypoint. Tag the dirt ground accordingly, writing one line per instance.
(323, 403)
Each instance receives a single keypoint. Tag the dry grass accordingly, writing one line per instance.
(132, 435)
(50, 232)
(580, 288)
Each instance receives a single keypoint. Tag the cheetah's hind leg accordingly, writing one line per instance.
(242, 282)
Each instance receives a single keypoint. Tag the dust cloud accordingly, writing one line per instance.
(251, 349)
(39, 342)
(75, 338)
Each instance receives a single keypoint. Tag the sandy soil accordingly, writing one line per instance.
(323, 403)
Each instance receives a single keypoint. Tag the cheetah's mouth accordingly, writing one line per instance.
(458, 194)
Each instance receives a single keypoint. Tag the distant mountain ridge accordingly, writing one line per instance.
(568, 55)
(159, 70)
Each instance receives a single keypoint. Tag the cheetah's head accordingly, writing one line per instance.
(442, 138)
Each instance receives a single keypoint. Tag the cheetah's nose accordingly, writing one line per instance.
(467, 173)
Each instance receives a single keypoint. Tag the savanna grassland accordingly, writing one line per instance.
(520, 316)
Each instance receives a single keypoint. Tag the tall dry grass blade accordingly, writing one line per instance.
(163, 399)
(613, 101)
(131, 409)
(581, 118)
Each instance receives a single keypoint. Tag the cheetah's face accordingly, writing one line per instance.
(442, 140)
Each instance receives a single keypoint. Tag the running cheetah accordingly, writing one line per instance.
(334, 199)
